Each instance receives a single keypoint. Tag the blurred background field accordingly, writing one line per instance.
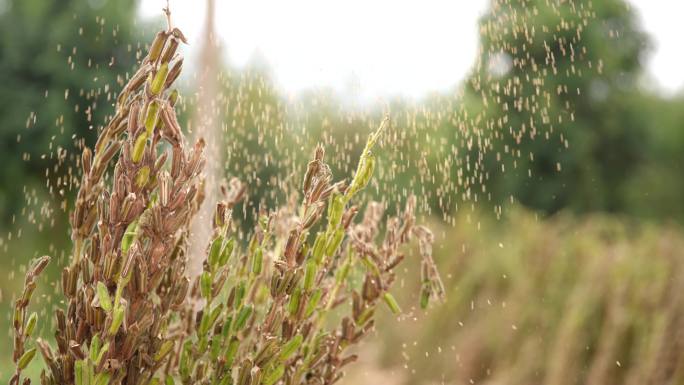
(558, 223)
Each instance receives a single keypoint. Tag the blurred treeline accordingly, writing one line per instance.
(601, 141)
(551, 122)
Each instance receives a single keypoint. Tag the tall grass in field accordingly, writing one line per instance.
(595, 300)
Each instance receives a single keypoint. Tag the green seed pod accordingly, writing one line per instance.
(335, 209)
(26, 358)
(313, 302)
(174, 97)
(215, 252)
(117, 319)
(94, 349)
(78, 372)
(103, 296)
(101, 354)
(139, 148)
(310, 274)
(159, 79)
(153, 381)
(143, 177)
(274, 375)
(169, 381)
(365, 316)
(102, 378)
(231, 351)
(151, 117)
(291, 347)
(239, 294)
(319, 247)
(334, 242)
(225, 331)
(157, 45)
(129, 235)
(170, 50)
(184, 363)
(363, 174)
(205, 285)
(391, 303)
(215, 348)
(208, 319)
(31, 324)
(227, 252)
(163, 351)
(293, 305)
(257, 261)
(242, 317)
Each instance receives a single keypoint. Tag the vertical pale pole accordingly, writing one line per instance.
(207, 126)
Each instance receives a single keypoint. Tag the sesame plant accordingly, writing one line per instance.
(282, 306)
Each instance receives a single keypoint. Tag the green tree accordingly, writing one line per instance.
(549, 108)
(60, 64)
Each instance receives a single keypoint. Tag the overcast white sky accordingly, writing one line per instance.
(367, 49)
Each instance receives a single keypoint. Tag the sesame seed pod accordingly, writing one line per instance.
(128, 237)
(31, 324)
(26, 358)
(391, 303)
(151, 117)
(117, 319)
(157, 45)
(313, 302)
(139, 147)
(225, 330)
(335, 209)
(159, 79)
(334, 242)
(319, 247)
(231, 351)
(215, 348)
(174, 72)
(214, 252)
(101, 354)
(163, 351)
(239, 294)
(102, 378)
(94, 348)
(40, 265)
(170, 50)
(257, 261)
(274, 375)
(310, 274)
(242, 317)
(205, 285)
(293, 305)
(210, 318)
(174, 97)
(143, 177)
(184, 363)
(227, 252)
(103, 297)
(291, 347)
(78, 372)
